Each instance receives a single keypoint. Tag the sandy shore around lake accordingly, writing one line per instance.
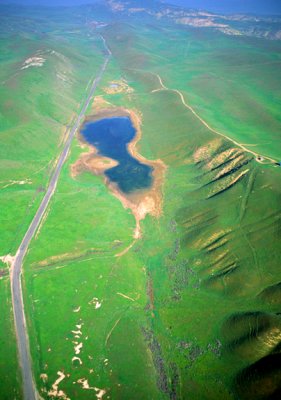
(140, 202)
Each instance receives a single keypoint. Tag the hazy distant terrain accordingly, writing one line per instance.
(173, 291)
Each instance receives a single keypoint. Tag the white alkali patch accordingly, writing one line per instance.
(95, 301)
(33, 62)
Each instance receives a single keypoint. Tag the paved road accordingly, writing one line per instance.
(29, 388)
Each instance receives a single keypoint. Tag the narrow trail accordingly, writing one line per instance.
(259, 158)
(125, 251)
(29, 388)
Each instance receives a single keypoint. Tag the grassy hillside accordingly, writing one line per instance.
(45, 71)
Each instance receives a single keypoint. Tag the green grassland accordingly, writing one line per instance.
(232, 82)
(191, 310)
(10, 387)
(38, 104)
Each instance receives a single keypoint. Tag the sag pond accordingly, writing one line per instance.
(111, 137)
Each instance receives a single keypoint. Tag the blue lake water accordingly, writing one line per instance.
(111, 136)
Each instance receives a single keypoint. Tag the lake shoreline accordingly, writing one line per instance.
(141, 202)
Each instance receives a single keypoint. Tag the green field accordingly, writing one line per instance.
(191, 311)
(9, 369)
